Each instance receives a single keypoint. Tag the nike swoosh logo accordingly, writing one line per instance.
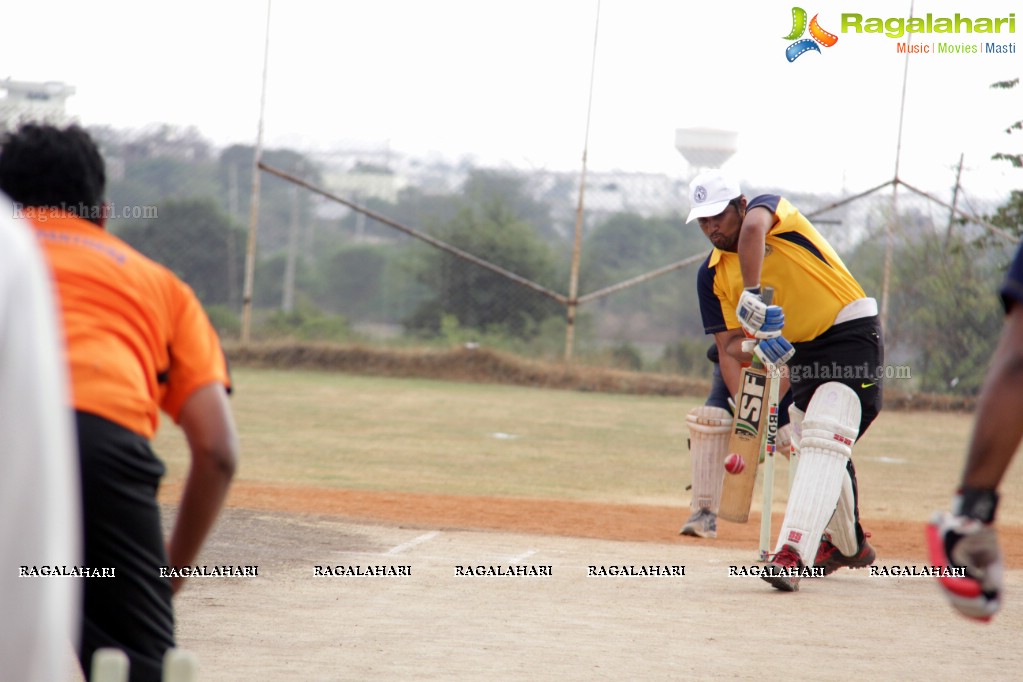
(866, 385)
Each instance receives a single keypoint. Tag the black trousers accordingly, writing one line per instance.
(851, 353)
(131, 611)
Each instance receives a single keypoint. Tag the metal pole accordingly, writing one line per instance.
(250, 251)
(955, 202)
(573, 280)
(288, 289)
(886, 276)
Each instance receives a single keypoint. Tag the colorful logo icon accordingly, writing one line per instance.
(818, 36)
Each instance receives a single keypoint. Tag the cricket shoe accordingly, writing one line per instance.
(703, 524)
(784, 569)
(830, 558)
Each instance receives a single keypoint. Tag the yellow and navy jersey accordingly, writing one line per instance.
(811, 283)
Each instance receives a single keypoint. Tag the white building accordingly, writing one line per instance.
(23, 101)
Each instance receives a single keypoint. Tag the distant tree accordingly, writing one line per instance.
(943, 315)
(414, 209)
(1015, 158)
(944, 312)
(148, 167)
(180, 142)
(479, 298)
(353, 280)
(190, 236)
(483, 186)
(627, 245)
(276, 196)
(1010, 215)
(268, 282)
(153, 180)
(948, 312)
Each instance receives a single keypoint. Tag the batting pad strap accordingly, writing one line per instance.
(843, 524)
(708, 420)
(709, 430)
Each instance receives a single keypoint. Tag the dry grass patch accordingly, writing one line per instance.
(482, 365)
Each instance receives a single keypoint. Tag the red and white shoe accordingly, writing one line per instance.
(830, 558)
(784, 569)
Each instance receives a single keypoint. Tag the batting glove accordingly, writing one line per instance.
(774, 351)
(966, 539)
(758, 319)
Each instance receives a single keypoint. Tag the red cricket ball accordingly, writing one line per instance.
(734, 463)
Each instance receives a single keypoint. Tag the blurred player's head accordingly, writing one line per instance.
(43, 166)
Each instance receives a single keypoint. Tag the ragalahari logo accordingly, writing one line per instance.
(817, 35)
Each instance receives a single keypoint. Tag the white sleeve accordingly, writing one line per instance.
(39, 482)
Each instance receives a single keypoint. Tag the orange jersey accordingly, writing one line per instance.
(137, 338)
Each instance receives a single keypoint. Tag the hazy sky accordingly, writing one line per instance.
(507, 82)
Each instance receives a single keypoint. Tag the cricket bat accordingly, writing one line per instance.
(750, 425)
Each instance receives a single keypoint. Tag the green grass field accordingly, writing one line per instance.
(343, 431)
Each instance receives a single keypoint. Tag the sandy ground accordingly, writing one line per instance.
(287, 623)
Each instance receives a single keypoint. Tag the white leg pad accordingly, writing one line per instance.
(709, 430)
(843, 524)
(829, 430)
(795, 437)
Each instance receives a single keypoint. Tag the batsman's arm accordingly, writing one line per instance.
(998, 430)
(206, 419)
(731, 358)
(755, 226)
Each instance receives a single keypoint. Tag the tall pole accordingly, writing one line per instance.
(955, 203)
(232, 237)
(250, 251)
(573, 282)
(290, 262)
(886, 276)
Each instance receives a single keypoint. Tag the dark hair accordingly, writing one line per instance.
(43, 166)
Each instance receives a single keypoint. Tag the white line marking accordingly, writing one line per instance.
(526, 555)
(426, 537)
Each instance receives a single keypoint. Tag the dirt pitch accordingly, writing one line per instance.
(289, 624)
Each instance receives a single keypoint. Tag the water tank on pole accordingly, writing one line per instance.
(706, 147)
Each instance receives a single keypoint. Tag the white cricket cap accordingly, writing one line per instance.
(710, 192)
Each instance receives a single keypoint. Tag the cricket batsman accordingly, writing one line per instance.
(827, 332)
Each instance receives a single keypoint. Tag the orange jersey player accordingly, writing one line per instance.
(137, 342)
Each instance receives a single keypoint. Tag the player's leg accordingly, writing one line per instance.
(122, 531)
(709, 426)
(829, 430)
(845, 542)
(708, 444)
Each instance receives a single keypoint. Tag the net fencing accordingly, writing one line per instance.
(362, 243)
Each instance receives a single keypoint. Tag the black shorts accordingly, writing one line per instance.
(131, 611)
(851, 353)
